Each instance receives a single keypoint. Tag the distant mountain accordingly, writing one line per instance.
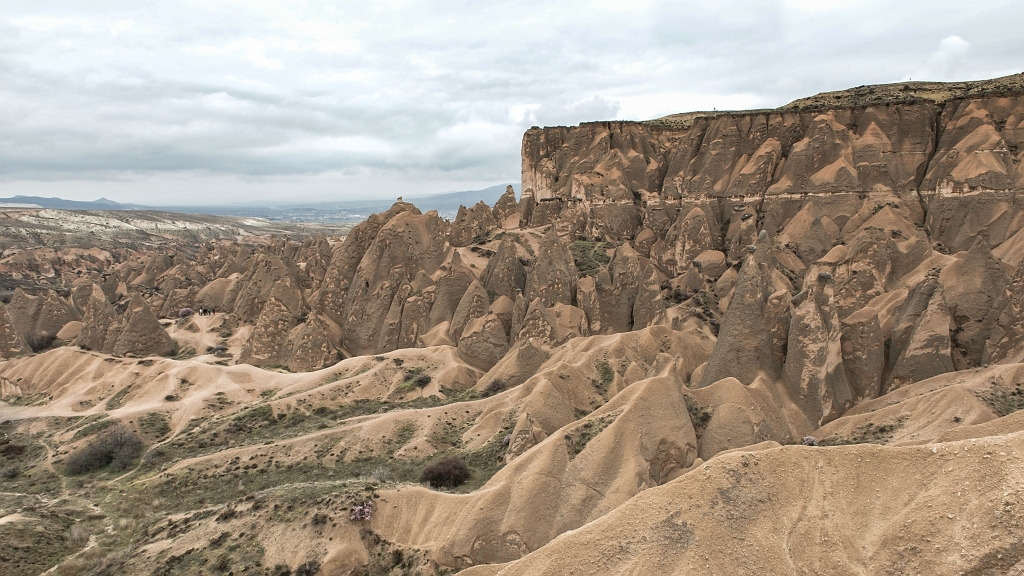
(450, 201)
(61, 204)
(447, 205)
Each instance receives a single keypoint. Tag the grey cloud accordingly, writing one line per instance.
(436, 92)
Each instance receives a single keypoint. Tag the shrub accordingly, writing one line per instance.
(116, 448)
(78, 535)
(381, 474)
(41, 341)
(185, 312)
(810, 441)
(309, 568)
(496, 385)
(447, 473)
(422, 380)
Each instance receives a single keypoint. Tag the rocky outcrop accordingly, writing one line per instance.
(552, 279)
(407, 244)
(99, 324)
(12, 343)
(471, 224)
(505, 207)
(505, 273)
(39, 318)
(140, 333)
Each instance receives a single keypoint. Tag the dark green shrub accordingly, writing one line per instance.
(447, 473)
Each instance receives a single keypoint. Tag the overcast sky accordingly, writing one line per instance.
(221, 101)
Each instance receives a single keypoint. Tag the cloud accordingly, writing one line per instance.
(946, 61)
(560, 114)
(363, 98)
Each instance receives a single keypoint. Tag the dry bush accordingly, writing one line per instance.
(447, 473)
(78, 536)
(116, 448)
(72, 567)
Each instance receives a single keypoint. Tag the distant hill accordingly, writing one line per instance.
(446, 204)
(62, 204)
(450, 202)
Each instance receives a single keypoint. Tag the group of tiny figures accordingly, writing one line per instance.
(206, 311)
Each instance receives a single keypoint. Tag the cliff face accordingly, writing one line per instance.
(625, 176)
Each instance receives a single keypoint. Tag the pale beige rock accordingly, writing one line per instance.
(483, 342)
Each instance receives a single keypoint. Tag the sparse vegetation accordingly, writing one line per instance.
(606, 376)
(1003, 402)
(154, 425)
(590, 257)
(576, 440)
(117, 400)
(869, 433)
(700, 416)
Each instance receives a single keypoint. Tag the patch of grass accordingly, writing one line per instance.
(606, 375)
(590, 257)
(29, 399)
(117, 400)
(1003, 402)
(450, 434)
(154, 425)
(414, 378)
(577, 439)
(94, 428)
(869, 433)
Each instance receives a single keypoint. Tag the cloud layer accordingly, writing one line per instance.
(172, 102)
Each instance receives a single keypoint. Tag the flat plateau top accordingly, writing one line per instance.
(878, 94)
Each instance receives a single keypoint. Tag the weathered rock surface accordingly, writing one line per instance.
(140, 333)
(470, 224)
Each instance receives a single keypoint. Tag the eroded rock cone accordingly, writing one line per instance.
(471, 224)
(504, 273)
(505, 207)
(311, 347)
(100, 324)
(268, 344)
(474, 304)
(483, 342)
(39, 318)
(552, 278)
(973, 286)
(406, 245)
(12, 344)
(863, 353)
(920, 345)
(345, 260)
(814, 373)
(689, 236)
(141, 334)
(745, 341)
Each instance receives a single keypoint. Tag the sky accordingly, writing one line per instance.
(224, 101)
